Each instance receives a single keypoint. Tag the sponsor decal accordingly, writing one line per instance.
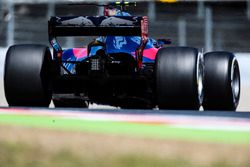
(119, 42)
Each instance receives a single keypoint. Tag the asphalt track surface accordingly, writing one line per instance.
(174, 112)
(166, 112)
(230, 114)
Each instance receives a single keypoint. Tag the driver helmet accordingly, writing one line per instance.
(116, 12)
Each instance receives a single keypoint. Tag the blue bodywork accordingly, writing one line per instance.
(114, 44)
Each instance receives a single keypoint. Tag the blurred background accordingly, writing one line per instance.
(208, 25)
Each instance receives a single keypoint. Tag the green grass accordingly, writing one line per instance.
(128, 129)
(25, 155)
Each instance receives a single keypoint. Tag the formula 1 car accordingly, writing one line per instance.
(122, 67)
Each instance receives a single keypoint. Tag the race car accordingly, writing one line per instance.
(121, 67)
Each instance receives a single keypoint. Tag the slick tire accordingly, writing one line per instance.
(27, 77)
(179, 78)
(221, 82)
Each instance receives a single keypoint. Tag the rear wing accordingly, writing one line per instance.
(99, 26)
(95, 26)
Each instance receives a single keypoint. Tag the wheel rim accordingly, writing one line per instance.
(235, 81)
(200, 77)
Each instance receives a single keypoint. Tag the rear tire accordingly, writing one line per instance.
(179, 78)
(27, 76)
(221, 82)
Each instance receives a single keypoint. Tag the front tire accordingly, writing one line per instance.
(179, 78)
(222, 81)
(27, 76)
